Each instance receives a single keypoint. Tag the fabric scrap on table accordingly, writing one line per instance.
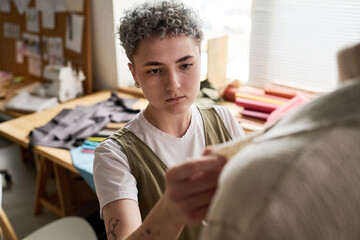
(71, 127)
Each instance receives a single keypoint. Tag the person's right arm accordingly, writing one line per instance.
(189, 189)
(121, 218)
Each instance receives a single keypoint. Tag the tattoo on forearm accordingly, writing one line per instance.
(113, 226)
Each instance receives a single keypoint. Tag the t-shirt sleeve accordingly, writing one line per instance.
(231, 123)
(112, 177)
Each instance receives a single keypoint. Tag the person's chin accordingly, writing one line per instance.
(178, 107)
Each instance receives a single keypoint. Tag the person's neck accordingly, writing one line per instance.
(174, 125)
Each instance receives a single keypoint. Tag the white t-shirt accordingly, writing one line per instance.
(112, 175)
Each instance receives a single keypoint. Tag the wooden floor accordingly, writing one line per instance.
(19, 195)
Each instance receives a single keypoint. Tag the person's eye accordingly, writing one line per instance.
(154, 71)
(186, 66)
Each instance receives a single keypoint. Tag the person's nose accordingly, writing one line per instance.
(173, 80)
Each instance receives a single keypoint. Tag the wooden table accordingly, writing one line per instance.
(51, 160)
(58, 162)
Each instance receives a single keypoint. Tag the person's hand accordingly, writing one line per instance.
(190, 187)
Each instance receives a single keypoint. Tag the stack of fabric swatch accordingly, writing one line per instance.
(267, 104)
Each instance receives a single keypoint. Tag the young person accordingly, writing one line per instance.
(299, 179)
(140, 198)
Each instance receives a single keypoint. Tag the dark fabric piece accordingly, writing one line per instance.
(69, 128)
(149, 170)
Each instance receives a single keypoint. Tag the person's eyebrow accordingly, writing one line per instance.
(152, 64)
(183, 59)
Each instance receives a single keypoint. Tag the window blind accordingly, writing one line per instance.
(294, 43)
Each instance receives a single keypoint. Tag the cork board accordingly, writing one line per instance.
(78, 60)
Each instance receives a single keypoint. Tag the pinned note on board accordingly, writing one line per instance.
(55, 51)
(74, 32)
(48, 20)
(46, 5)
(32, 20)
(35, 66)
(11, 30)
(19, 52)
(31, 44)
(75, 5)
(4, 5)
(21, 5)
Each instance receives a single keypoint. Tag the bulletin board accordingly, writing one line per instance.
(80, 59)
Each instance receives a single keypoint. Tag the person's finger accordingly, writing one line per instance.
(208, 150)
(194, 186)
(198, 215)
(199, 200)
(187, 169)
(192, 206)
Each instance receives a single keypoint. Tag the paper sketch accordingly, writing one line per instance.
(19, 52)
(4, 5)
(74, 32)
(21, 5)
(32, 20)
(75, 5)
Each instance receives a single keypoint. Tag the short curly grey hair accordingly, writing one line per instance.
(161, 17)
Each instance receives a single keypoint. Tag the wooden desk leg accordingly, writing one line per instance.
(6, 227)
(62, 203)
(26, 155)
(64, 190)
(40, 183)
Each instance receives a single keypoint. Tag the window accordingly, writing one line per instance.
(294, 42)
(290, 42)
(232, 18)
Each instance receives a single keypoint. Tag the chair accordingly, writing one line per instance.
(69, 228)
(72, 227)
(5, 172)
(6, 228)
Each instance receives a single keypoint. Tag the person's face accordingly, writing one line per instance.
(168, 72)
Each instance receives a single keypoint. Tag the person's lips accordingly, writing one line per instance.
(175, 99)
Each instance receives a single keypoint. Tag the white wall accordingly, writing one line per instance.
(123, 74)
(109, 59)
(103, 45)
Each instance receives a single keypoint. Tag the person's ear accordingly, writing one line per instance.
(132, 70)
